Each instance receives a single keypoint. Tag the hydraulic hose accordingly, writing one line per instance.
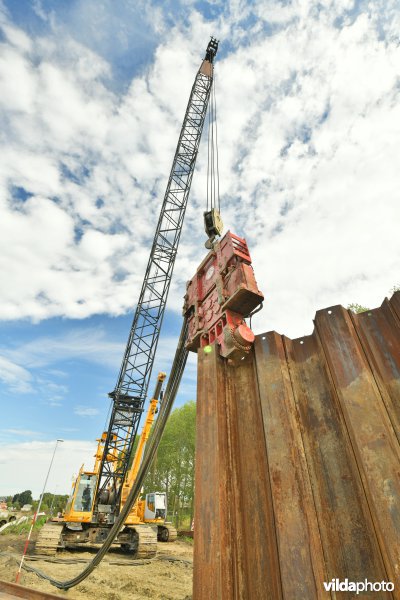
(170, 393)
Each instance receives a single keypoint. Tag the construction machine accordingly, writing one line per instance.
(99, 495)
(151, 510)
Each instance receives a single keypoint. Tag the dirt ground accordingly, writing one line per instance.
(167, 577)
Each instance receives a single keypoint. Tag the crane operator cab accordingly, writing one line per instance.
(81, 497)
(155, 507)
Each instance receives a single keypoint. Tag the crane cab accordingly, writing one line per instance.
(155, 507)
(152, 511)
(80, 502)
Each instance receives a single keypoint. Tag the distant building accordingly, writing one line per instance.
(26, 508)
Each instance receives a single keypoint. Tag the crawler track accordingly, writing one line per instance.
(147, 542)
(166, 533)
(48, 539)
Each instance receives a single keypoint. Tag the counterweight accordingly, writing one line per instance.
(131, 388)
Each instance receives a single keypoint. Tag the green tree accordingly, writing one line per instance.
(23, 498)
(51, 503)
(357, 308)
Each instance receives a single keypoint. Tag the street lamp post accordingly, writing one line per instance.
(36, 512)
(47, 477)
(53, 500)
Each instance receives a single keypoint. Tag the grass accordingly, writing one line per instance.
(24, 527)
(186, 539)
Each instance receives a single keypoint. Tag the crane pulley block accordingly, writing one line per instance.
(219, 298)
(211, 49)
(213, 226)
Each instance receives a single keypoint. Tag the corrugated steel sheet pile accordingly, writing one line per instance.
(298, 461)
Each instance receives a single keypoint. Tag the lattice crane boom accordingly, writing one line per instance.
(131, 388)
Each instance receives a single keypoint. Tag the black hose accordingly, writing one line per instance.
(170, 393)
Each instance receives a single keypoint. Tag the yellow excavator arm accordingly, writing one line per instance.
(133, 471)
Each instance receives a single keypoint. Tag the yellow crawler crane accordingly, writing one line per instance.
(70, 531)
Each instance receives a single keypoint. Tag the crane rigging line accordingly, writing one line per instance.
(177, 369)
(213, 195)
(216, 143)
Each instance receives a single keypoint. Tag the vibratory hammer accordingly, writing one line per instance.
(219, 298)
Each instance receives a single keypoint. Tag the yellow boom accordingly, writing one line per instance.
(133, 471)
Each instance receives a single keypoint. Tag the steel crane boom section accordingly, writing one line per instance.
(131, 388)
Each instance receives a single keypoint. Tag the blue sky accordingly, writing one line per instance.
(93, 96)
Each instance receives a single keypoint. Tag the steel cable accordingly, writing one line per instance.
(177, 369)
(213, 196)
(216, 144)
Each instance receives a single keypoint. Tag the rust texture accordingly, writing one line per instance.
(298, 462)
(13, 590)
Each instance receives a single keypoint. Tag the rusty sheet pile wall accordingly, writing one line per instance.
(298, 462)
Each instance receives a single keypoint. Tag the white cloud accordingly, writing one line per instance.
(16, 378)
(85, 411)
(25, 465)
(308, 107)
(26, 367)
(87, 344)
(21, 432)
